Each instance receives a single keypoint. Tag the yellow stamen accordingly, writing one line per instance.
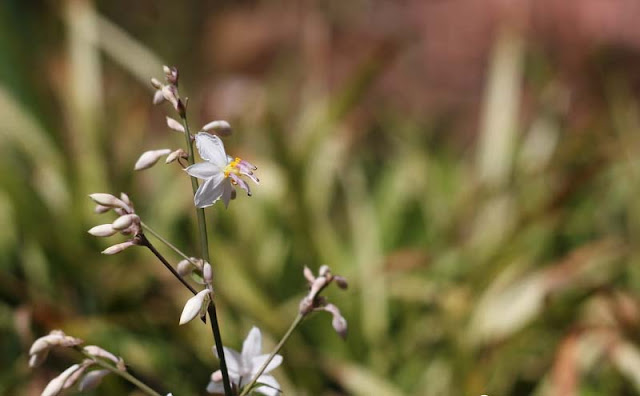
(232, 167)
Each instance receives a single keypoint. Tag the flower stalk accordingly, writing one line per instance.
(124, 374)
(204, 244)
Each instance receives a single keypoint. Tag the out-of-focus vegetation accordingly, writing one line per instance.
(472, 170)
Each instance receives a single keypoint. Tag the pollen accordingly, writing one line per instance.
(232, 167)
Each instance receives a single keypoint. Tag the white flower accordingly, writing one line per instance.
(219, 172)
(243, 366)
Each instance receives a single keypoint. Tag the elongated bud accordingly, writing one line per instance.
(125, 198)
(193, 307)
(158, 97)
(115, 249)
(124, 222)
(175, 125)
(156, 83)
(97, 351)
(75, 376)
(56, 385)
(324, 270)
(102, 230)
(338, 322)
(184, 267)
(220, 128)
(92, 379)
(207, 273)
(99, 209)
(308, 274)
(341, 282)
(179, 153)
(149, 158)
(108, 200)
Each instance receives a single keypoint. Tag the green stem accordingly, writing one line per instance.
(204, 243)
(145, 242)
(284, 339)
(163, 240)
(124, 374)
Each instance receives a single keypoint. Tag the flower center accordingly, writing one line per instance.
(232, 167)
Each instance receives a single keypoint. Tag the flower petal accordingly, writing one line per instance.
(272, 388)
(209, 191)
(258, 361)
(203, 170)
(234, 362)
(252, 345)
(211, 149)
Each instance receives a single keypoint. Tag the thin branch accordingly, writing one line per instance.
(124, 374)
(145, 242)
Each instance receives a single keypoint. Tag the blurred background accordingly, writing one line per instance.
(470, 166)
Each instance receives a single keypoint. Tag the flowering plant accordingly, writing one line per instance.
(239, 373)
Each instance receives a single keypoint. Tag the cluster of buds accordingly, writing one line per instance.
(313, 301)
(168, 91)
(127, 223)
(80, 373)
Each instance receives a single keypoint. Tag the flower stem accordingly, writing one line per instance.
(163, 240)
(124, 374)
(145, 242)
(284, 339)
(204, 243)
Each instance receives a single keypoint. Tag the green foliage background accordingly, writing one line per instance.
(504, 263)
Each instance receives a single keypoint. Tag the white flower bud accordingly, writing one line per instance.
(97, 351)
(220, 128)
(207, 273)
(184, 267)
(73, 378)
(324, 270)
(124, 222)
(179, 153)
(166, 69)
(308, 274)
(125, 198)
(102, 230)
(193, 306)
(56, 385)
(92, 379)
(156, 83)
(99, 209)
(175, 125)
(149, 158)
(158, 97)
(108, 200)
(40, 348)
(118, 248)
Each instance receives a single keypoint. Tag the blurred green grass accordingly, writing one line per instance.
(507, 266)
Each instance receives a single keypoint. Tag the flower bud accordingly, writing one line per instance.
(92, 379)
(185, 267)
(125, 198)
(99, 209)
(193, 306)
(97, 351)
(102, 230)
(324, 270)
(115, 249)
(175, 125)
(156, 84)
(308, 274)
(73, 378)
(220, 128)
(341, 282)
(149, 158)
(108, 200)
(56, 385)
(124, 222)
(158, 97)
(207, 273)
(179, 153)
(338, 322)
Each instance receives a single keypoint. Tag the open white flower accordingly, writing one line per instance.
(243, 366)
(219, 172)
